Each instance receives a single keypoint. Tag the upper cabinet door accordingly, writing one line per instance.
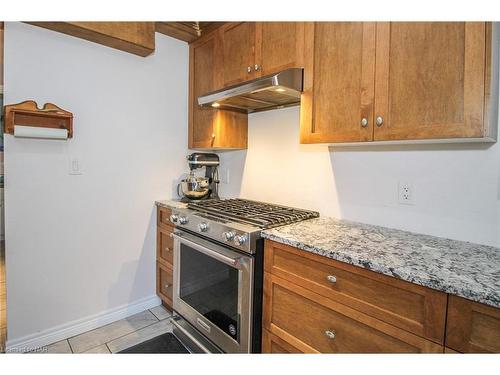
(202, 79)
(279, 46)
(430, 80)
(209, 128)
(337, 103)
(238, 40)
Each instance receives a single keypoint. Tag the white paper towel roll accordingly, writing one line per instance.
(37, 132)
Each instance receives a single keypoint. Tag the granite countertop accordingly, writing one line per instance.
(171, 203)
(461, 268)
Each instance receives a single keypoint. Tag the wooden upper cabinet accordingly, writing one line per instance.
(430, 80)
(211, 128)
(238, 47)
(472, 327)
(134, 37)
(252, 50)
(279, 46)
(338, 82)
(398, 81)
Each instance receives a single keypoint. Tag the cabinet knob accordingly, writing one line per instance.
(332, 279)
(256, 67)
(167, 249)
(379, 121)
(167, 286)
(364, 122)
(249, 69)
(330, 334)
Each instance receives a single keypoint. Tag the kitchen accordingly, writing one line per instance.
(373, 170)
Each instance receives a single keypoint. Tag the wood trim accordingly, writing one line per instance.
(181, 31)
(368, 77)
(133, 37)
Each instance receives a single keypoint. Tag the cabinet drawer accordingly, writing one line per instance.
(314, 323)
(472, 327)
(414, 308)
(273, 344)
(164, 245)
(163, 217)
(164, 280)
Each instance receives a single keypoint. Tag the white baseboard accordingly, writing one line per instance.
(76, 327)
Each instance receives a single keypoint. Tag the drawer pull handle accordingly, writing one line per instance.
(330, 334)
(331, 279)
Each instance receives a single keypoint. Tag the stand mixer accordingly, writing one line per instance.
(195, 187)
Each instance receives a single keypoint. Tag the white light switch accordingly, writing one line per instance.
(75, 166)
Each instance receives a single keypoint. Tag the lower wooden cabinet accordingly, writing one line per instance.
(164, 256)
(273, 344)
(316, 324)
(164, 281)
(472, 327)
(313, 304)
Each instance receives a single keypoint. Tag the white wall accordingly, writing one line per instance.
(457, 187)
(83, 245)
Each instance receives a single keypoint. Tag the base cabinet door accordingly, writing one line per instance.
(164, 283)
(430, 80)
(272, 344)
(313, 323)
(472, 327)
(337, 103)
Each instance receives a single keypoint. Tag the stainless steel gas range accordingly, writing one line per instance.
(218, 270)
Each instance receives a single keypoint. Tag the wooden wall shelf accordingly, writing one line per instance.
(27, 113)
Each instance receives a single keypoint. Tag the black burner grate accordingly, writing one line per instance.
(262, 215)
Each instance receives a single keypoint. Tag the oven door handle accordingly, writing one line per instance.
(233, 262)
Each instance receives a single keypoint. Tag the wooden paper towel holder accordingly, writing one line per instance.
(27, 113)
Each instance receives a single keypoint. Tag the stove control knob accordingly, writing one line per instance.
(203, 227)
(228, 236)
(240, 240)
(174, 218)
(183, 220)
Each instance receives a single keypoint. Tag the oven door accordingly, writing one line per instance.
(213, 289)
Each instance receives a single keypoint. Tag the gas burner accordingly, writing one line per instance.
(259, 214)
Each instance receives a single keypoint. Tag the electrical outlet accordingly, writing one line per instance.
(406, 193)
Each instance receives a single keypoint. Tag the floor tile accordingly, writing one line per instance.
(60, 347)
(101, 349)
(139, 336)
(102, 335)
(160, 312)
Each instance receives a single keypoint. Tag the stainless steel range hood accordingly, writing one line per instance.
(278, 90)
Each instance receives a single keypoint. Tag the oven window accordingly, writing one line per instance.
(211, 288)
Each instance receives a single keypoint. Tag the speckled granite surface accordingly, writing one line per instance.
(171, 203)
(465, 269)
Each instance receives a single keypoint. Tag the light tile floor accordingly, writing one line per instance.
(116, 336)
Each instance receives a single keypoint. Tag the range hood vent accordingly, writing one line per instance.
(278, 90)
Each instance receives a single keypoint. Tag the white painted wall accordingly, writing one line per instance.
(83, 245)
(457, 187)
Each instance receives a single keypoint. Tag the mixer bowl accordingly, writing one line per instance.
(194, 187)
